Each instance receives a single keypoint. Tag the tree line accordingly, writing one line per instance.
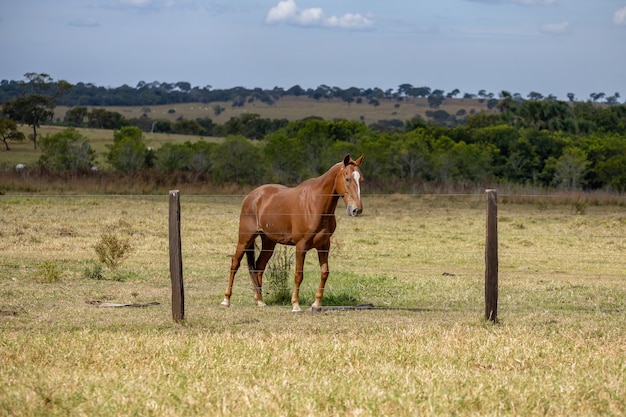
(161, 93)
(540, 142)
(401, 160)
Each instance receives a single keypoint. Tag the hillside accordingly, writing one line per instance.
(296, 108)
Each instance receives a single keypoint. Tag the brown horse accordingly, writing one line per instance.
(303, 216)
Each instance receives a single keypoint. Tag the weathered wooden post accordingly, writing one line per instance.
(176, 259)
(491, 257)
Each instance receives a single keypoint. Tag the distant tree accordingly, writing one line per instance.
(217, 109)
(506, 102)
(105, 119)
(296, 90)
(436, 98)
(596, 96)
(32, 110)
(453, 93)
(238, 161)
(571, 96)
(66, 151)
(162, 126)
(183, 86)
(9, 132)
(570, 169)
(405, 89)
(35, 107)
(533, 95)
(188, 127)
(207, 124)
(421, 91)
(128, 153)
(612, 100)
(172, 157)
(75, 116)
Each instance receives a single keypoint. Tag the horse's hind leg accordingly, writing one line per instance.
(256, 273)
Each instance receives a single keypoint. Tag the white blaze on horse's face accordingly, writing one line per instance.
(352, 195)
(357, 180)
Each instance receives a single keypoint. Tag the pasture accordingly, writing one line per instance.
(23, 152)
(296, 108)
(559, 347)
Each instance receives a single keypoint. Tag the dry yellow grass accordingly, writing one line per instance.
(559, 349)
(295, 108)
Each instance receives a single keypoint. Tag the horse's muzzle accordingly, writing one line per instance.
(354, 211)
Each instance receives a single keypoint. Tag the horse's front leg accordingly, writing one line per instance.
(299, 276)
(322, 254)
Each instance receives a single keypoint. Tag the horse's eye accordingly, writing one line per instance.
(347, 180)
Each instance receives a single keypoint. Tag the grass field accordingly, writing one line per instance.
(24, 152)
(558, 349)
(296, 108)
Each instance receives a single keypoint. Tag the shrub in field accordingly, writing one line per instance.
(128, 153)
(48, 272)
(66, 151)
(93, 271)
(114, 245)
(276, 277)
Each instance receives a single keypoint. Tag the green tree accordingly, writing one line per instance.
(188, 127)
(66, 151)
(104, 119)
(37, 107)
(612, 172)
(31, 110)
(237, 160)
(75, 116)
(173, 157)
(128, 153)
(8, 131)
(284, 156)
(570, 169)
(201, 160)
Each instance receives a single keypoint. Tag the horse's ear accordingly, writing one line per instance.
(346, 160)
(359, 160)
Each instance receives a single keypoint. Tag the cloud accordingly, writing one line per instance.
(519, 2)
(535, 2)
(87, 22)
(286, 11)
(556, 28)
(619, 17)
(134, 3)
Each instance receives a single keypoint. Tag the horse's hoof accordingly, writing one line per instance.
(225, 304)
(296, 309)
(261, 304)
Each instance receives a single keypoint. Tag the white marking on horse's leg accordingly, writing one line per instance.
(296, 308)
(357, 177)
(225, 303)
(261, 303)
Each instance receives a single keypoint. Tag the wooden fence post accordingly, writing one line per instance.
(176, 259)
(491, 257)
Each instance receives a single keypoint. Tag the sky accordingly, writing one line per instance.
(547, 46)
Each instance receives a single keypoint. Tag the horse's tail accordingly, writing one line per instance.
(250, 257)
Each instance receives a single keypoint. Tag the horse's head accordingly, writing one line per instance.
(348, 185)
